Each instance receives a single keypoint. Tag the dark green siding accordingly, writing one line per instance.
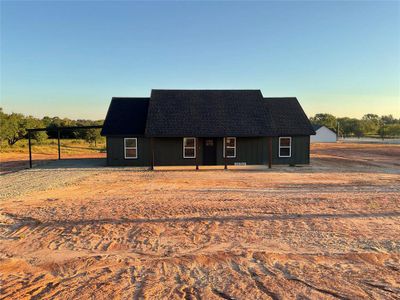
(252, 151)
(300, 151)
(169, 152)
(115, 152)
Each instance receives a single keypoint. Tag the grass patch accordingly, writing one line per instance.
(68, 146)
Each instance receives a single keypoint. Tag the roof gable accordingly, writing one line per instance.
(288, 116)
(126, 116)
(316, 127)
(207, 113)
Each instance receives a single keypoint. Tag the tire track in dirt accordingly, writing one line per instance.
(219, 235)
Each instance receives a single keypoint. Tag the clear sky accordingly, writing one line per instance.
(70, 58)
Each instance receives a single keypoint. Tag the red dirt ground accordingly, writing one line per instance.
(325, 231)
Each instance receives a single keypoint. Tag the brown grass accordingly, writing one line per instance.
(16, 157)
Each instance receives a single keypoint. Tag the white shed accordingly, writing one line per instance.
(323, 135)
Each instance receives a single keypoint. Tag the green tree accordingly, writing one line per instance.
(327, 120)
(92, 136)
(13, 128)
(31, 122)
(388, 119)
(350, 126)
(40, 136)
(3, 120)
(370, 124)
(391, 130)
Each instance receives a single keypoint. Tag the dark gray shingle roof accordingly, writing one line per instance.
(207, 113)
(288, 116)
(126, 116)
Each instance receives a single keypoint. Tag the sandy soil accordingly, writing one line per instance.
(325, 231)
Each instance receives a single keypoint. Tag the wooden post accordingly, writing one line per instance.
(224, 152)
(59, 145)
(30, 150)
(269, 152)
(152, 153)
(197, 153)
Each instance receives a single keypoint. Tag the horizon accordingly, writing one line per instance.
(68, 59)
(102, 119)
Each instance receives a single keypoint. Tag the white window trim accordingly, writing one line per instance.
(127, 148)
(194, 147)
(229, 147)
(281, 147)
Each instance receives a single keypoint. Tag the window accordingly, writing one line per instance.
(285, 147)
(130, 148)
(230, 147)
(189, 147)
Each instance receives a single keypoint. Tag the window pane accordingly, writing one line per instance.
(230, 152)
(130, 143)
(189, 142)
(230, 142)
(285, 142)
(284, 152)
(209, 143)
(131, 153)
(189, 152)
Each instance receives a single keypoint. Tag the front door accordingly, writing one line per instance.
(209, 151)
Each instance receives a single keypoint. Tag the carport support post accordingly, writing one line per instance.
(197, 153)
(59, 146)
(269, 152)
(224, 153)
(152, 153)
(30, 150)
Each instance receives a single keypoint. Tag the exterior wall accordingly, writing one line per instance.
(115, 152)
(324, 135)
(300, 151)
(252, 151)
(169, 152)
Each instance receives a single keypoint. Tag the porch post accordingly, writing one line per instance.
(224, 153)
(152, 153)
(30, 150)
(59, 146)
(269, 152)
(197, 153)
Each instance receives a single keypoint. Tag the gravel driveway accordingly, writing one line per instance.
(47, 176)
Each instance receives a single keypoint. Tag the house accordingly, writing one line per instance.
(323, 135)
(206, 127)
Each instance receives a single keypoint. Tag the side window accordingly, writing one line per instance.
(285, 147)
(189, 147)
(230, 147)
(130, 148)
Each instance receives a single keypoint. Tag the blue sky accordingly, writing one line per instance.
(70, 58)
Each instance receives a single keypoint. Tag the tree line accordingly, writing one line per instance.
(13, 127)
(369, 125)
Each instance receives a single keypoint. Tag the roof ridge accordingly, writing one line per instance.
(130, 99)
(212, 90)
(291, 97)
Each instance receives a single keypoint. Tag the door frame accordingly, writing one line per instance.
(213, 160)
